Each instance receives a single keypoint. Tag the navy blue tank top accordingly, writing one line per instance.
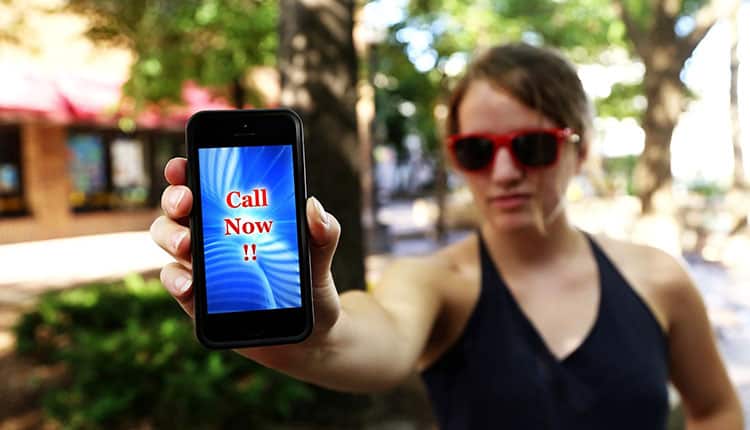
(500, 374)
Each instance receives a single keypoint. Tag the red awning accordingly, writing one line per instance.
(26, 91)
(74, 99)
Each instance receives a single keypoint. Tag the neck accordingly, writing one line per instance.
(531, 246)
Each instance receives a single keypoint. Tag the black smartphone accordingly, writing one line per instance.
(251, 264)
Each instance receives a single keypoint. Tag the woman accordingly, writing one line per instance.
(527, 324)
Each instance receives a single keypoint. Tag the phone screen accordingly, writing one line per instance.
(250, 229)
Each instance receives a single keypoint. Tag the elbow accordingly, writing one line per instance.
(727, 417)
(362, 384)
(384, 385)
(380, 379)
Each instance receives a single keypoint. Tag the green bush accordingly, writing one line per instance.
(131, 357)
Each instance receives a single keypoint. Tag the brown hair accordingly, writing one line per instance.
(540, 78)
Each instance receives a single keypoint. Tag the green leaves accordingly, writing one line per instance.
(212, 42)
(131, 356)
(582, 28)
(625, 100)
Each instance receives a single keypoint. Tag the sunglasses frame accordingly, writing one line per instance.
(561, 135)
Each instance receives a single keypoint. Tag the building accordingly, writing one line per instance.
(74, 159)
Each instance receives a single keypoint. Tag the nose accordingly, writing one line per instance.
(504, 169)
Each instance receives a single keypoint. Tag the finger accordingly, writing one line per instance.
(177, 202)
(179, 283)
(175, 172)
(173, 238)
(324, 237)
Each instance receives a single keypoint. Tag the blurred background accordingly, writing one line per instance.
(94, 95)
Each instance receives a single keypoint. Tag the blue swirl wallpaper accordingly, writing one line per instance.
(249, 228)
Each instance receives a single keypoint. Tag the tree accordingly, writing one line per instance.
(212, 42)
(398, 83)
(215, 42)
(318, 68)
(652, 30)
(586, 30)
(456, 29)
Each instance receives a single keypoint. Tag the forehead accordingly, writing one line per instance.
(487, 108)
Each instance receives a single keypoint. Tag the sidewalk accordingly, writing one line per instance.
(29, 268)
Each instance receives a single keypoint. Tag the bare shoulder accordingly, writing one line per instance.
(459, 266)
(647, 262)
(432, 294)
(450, 280)
(660, 278)
(444, 285)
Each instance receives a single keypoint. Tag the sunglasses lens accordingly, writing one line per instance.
(473, 153)
(535, 149)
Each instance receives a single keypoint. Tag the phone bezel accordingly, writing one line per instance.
(242, 128)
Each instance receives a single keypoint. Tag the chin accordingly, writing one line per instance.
(510, 222)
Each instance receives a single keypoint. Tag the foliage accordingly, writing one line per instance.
(643, 12)
(131, 357)
(620, 170)
(582, 28)
(624, 100)
(212, 42)
(587, 31)
(404, 84)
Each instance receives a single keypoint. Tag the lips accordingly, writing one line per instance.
(509, 201)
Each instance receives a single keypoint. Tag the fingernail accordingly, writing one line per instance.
(177, 240)
(176, 199)
(181, 284)
(322, 215)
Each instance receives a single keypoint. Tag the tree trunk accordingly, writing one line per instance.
(318, 79)
(734, 113)
(665, 98)
(663, 54)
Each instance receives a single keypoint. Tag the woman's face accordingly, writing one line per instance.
(507, 196)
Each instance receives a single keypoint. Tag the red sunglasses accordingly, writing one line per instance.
(529, 148)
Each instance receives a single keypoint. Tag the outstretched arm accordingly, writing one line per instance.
(361, 341)
(697, 370)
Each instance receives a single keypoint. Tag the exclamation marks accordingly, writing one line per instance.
(245, 248)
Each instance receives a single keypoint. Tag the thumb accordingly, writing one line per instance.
(324, 237)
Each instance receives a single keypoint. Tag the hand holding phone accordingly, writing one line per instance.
(242, 321)
(336, 349)
(171, 232)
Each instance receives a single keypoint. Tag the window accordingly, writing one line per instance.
(164, 146)
(12, 201)
(130, 180)
(111, 170)
(88, 167)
